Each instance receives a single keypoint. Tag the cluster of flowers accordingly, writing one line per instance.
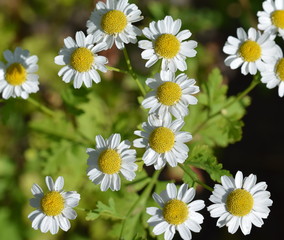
(238, 202)
(257, 51)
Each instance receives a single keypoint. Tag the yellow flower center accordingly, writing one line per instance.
(82, 59)
(277, 18)
(250, 51)
(239, 202)
(175, 212)
(280, 69)
(113, 22)
(162, 139)
(52, 203)
(16, 74)
(109, 161)
(169, 93)
(167, 46)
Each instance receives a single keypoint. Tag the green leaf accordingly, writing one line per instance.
(202, 157)
(217, 119)
(107, 211)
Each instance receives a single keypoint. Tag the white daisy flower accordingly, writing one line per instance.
(272, 18)
(110, 158)
(178, 212)
(163, 141)
(274, 75)
(250, 51)
(54, 208)
(111, 22)
(170, 94)
(240, 202)
(81, 60)
(17, 76)
(167, 43)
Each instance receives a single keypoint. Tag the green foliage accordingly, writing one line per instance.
(103, 210)
(216, 119)
(202, 157)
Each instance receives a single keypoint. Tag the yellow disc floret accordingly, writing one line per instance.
(52, 203)
(113, 22)
(109, 161)
(162, 139)
(280, 69)
(16, 74)
(239, 202)
(175, 212)
(167, 46)
(169, 93)
(250, 51)
(277, 18)
(82, 59)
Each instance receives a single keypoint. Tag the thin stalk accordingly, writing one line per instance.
(240, 96)
(143, 197)
(133, 74)
(43, 108)
(117, 70)
(188, 172)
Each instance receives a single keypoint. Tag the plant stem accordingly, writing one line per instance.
(117, 70)
(43, 108)
(142, 199)
(252, 85)
(133, 74)
(188, 172)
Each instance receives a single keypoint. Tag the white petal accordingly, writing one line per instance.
(160, 228)
(45, 224)
(36, 189)
(172, 190)
(49, 183)
(184, 231)
(59, 183)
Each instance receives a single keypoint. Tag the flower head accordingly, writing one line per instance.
(167, 43)
(250, 51)
(81, 60)
(54, 208)
(110, 158)
(271, 20)
(178, 212)
(240, 202)
(163, 141)
(274, 74)
(170, 94)
(17, 76)
(111, 22)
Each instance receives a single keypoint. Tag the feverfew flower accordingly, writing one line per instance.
(272, 18)
(167, 43)
(110, 158)
(17, 76)
(170, 94)
(274, 74)
(54, 208)
(163, 141)
(178, 212)
(250, 51)
(240, 202)
(82, 60)
(111, 22)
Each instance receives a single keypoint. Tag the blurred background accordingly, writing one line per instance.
(31, 146)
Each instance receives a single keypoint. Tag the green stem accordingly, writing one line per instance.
(43, 108)
(240, 96)
(117, 70)
(133, 74)
(188, 172)
(142, 199)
